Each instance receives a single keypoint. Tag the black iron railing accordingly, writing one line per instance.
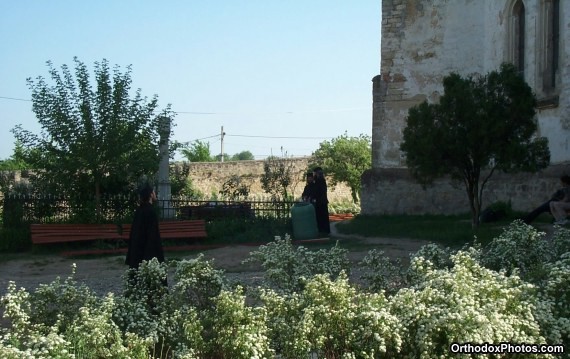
(22, 209)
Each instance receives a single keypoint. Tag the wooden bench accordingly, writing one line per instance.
(195, 228)
(65, 233)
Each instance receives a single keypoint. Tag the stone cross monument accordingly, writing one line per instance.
(163, 192)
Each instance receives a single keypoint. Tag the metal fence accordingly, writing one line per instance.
(21, 209)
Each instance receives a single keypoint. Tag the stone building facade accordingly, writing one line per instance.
(424, 40)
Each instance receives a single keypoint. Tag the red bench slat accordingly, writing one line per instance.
(62, 233)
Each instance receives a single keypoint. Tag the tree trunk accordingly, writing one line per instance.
(472, 193)
(98, 201)
(355, 197)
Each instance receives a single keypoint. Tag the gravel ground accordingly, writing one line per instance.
(104, 274)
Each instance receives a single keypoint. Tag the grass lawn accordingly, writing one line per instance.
(452, 231)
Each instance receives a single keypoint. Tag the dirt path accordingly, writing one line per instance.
(104, 274)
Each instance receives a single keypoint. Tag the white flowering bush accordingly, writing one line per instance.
(287, 267)
(464, 304)
(514, 290)
(520, 247)
(439, 257)
(89, 333)
(197, 282)
(24, 339)
(93, 334)
(59, 302)
(554, 312)
(143, 303)
(284, 322)
(559, 242)
(330, 318)
(381, 273)
(235, 330)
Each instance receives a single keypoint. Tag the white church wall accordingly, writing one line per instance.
(425, 40)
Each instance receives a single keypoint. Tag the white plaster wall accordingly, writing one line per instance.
(446, 38)
(553, 123)
(463, 36)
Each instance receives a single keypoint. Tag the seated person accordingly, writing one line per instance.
(559, 208)
(545, 207)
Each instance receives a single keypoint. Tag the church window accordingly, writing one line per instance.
(518, 33)
(551, 39)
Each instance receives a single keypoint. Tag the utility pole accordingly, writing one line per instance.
(222, 143)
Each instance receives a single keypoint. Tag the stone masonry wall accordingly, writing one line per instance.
(208, 177)
(393, 191)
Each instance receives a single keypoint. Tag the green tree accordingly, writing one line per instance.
(481, 124)
(218, 157)
(197, 151)
(236, 187)
(243, 156)
(278, 177)
(344, 159)
(94, 139)
(17, 161)
(181, 184)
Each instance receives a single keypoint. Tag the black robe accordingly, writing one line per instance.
(321, 205)
(144, 239)
(309, 192)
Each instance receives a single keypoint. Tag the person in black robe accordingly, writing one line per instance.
(309, 190)
(545, 207)
(144, 239)
(320, 201)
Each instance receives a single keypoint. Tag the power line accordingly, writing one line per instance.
(235, 113)
(288, 137)
(199, 139)
(14, 98)
(197, 113)
(203, 138)
(276, 112)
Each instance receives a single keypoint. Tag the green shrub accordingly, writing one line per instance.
(197, 283)
(380, 273)
(331, 319)
(519, 248)
(58, 303)
(554, 314)
(464, 304)
(311, 309)
(287, 267)
(15, 239)
(237, 330)
(13, 212)
(344, 207)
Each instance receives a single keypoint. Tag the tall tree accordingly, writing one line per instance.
(95, 139)
(480, 125)
(197, 151)
(344, 159)
(16, 161)
(278, 178)
(243, 156)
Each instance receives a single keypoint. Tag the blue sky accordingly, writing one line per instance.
(263, 68)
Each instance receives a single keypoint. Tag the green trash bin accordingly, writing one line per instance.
(304, 221)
